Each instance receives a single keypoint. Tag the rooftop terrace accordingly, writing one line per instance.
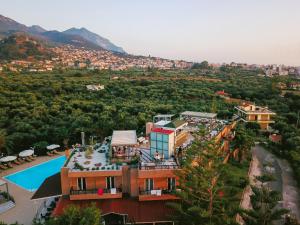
(92, 158)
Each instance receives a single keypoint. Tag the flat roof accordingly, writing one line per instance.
(175, 123)
(199, 114)
(162, 122)
(164, 115)
(123, 137)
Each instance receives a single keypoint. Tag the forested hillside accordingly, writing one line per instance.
(21, 46)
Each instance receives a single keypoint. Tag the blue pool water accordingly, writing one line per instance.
(31, 178)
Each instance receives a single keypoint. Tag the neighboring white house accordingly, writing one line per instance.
(94, 87)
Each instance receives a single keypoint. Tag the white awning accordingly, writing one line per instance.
(123, 138)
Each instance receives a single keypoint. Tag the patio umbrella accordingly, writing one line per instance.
(26, 153)
(8, 159)
(53, 146)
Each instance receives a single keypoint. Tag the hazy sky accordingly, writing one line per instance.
(252, 31)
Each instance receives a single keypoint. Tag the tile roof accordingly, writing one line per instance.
(137, 211)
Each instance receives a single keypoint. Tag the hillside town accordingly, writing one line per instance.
(70, 57)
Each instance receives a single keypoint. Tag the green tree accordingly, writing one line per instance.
(243, 142)
(74, 215)
(203, 195)
(264, 203)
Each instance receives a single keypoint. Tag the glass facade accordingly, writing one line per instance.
(160, 143)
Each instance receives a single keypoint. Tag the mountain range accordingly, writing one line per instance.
(74, 36)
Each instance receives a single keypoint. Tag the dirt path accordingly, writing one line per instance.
(285, 183)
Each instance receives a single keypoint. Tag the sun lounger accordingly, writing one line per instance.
(55, 152)
(32, 158)
(16, 162)
(21, 160)
(28, 159)
(3, 167)
(49, 154)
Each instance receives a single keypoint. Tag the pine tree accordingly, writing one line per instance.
(203, 195)
(264, 203)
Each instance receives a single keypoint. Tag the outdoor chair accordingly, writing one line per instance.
(55, 152)
(32, 158)
(3, 167)
(49, 154)
(21, 160)
(10, 165)
(16, 162)
(28, 159)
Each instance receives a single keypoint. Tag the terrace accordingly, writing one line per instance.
(148, 162)
(91, 159)
(212, 127)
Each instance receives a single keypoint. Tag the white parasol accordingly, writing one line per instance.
(8, 158)
(26, 153)
(52, 147)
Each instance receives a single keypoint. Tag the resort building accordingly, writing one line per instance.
(129, 182)
(251, 113)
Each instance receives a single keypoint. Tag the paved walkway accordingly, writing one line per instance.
(284, 183)
(25, 209)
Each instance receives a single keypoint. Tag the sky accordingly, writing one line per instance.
(247, 31)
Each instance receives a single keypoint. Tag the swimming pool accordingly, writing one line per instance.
(31, 178)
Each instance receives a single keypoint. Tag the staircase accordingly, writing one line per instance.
(6, 206)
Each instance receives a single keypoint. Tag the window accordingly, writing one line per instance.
(110, 182)
(81, 183)
(149, 184)
(153, 144)
(171, 183)
(166, 138)
(159, 145)
(166, 146)
(159, 137)
(153, 136)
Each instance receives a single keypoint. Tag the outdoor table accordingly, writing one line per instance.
(26, 153)
(8, 159)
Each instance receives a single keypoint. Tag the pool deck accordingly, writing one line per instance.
(25, 209)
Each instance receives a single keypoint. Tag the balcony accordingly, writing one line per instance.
(158, 166)
(146, 195)
(93, 194)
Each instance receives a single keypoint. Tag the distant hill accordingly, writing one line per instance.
(95, 38)
(9, 25)
(75, 40)
(22, 46)
(77, 37)
(36, 29)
